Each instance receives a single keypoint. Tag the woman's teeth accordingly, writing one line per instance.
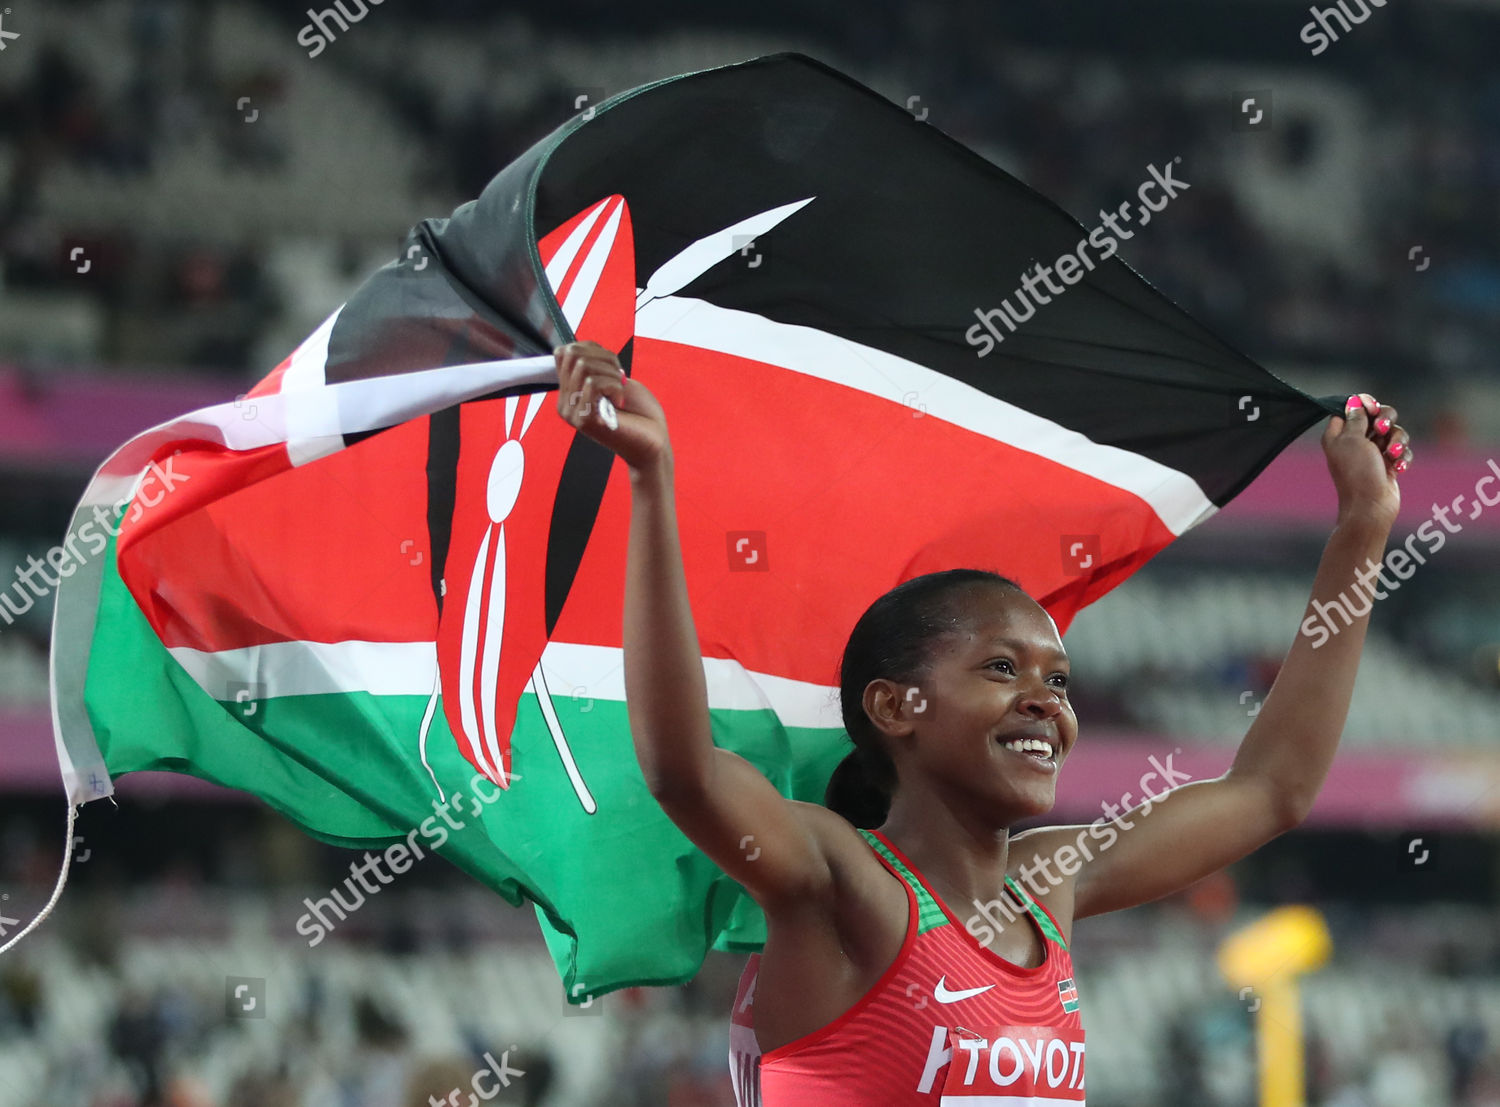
(1030, 745)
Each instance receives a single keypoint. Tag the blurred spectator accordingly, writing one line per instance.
(1465, 1045)
(379, 1070)
(138, 1038)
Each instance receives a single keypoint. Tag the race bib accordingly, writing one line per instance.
(1019, 1066)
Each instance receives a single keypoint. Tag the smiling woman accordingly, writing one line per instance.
(893, 641)
(954, 690)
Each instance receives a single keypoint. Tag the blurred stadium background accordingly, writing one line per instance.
(185, 194)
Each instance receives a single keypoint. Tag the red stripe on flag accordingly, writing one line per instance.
(326, 553)
(833, 485)
(762, 459)
(842, 481)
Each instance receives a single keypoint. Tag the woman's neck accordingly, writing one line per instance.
(964, 860)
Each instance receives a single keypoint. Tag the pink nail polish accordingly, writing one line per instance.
(1397, 449)
(1382, 425)
(1351, 403)
(1400, 466)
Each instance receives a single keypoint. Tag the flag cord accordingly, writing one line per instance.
(62, 879)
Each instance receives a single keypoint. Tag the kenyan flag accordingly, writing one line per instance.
(388, 582)
(1067, 994)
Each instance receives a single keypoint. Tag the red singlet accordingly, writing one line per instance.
(949, 1023)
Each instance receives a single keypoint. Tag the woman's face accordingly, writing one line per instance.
(996, 718)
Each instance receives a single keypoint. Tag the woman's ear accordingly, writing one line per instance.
(894, 707)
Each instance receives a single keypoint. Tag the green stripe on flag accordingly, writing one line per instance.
(642, 903)
(148, 714)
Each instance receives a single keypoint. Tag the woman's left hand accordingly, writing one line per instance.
(1366, 450)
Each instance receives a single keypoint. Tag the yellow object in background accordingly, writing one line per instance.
(1264, 960)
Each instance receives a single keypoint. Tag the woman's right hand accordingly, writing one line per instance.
(588, 373)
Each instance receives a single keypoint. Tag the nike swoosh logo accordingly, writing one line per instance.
(943, 995)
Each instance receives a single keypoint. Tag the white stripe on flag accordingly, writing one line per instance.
(408, 669)
(1174, 496)
(582, 290)
(562, 261)
(350, 407)
(314, 668)
(314, 407)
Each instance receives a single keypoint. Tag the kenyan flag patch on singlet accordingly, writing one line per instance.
(1067, 991)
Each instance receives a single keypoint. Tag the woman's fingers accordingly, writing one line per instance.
(571, 356)
(587, 356)
(1393, 444)
(584, 399)
(591, 385)
(1363, 414)
(1391, 438)
(586, 382)
(1399, 451)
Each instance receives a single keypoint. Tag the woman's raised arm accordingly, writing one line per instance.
(1166, 844)
(769, 844)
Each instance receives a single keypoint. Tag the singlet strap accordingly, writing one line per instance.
(929, 913)
(1043, 919)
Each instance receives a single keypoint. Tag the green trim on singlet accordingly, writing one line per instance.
(1041, 917)
(930, 915)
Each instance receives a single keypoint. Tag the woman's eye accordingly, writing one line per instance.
(1062, 679)
(1002, 661)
